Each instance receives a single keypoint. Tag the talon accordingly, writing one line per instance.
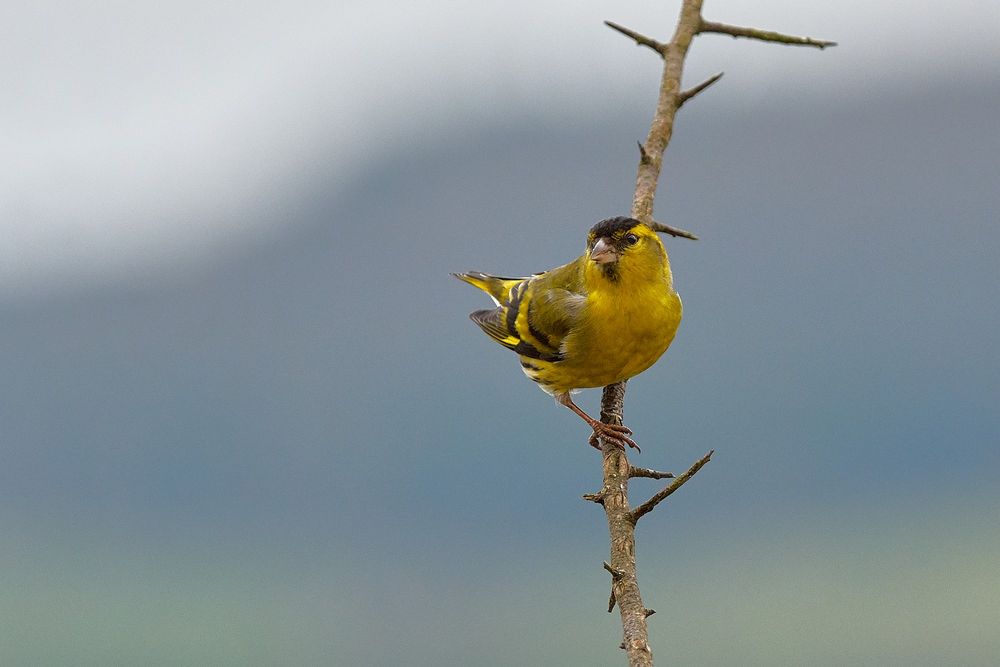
(621, 428)
(617, 434)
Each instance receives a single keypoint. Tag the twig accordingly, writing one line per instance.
(691, 92)
(762, 35)
(648, 506)
(673, 231)
(596, 497)
(615, 574)
(640, 40)
(647, 472)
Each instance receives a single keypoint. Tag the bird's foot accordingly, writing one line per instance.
(616, 434)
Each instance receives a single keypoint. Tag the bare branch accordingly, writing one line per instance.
(648, 506)
(640, 40)
(762, 35)
(617, 471)
(673, 231)
(691, 92)
(621, 525)
(647, 472)
(662, 126)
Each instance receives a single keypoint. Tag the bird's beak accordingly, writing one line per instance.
(604, 252)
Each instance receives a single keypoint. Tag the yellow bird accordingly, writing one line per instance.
(602, 318)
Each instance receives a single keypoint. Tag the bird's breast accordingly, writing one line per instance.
(621, 335)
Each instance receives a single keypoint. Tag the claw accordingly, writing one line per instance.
(616, 433)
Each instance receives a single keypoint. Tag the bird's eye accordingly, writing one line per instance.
(631, 239)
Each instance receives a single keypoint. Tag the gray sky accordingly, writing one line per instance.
(140, 138)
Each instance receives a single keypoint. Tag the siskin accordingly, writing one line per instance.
(603, 318)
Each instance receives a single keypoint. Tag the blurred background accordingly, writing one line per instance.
(245, 420)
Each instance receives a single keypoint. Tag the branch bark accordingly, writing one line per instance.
(617, 471)
(763, 35)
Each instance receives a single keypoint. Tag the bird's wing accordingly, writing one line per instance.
(536, 316)
(494, 323)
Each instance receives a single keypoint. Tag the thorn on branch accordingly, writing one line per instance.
(691, 92)
(648, 506)
(622, 646)
(612, 600)
(762, 35)
(648, 472)
(673, 231)
(643, 155)
(649, 612)
(615, 574)
(640, 40)
(596, 497)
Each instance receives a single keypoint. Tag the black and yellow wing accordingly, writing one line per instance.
(533, 315)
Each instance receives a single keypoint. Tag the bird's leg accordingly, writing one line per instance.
(616, 433)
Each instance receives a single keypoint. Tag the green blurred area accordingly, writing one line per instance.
(872, 590)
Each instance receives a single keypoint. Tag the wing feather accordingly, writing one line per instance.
(494, 323)
(533, 315)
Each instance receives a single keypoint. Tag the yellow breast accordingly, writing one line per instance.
(623, 335)
(619, 336)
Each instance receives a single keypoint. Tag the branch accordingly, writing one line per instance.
(762, 35)
(621, 526)
(646, 472)
(640, 40)
(691, 92)
(613, 495)
(673, 231)
(648, 506)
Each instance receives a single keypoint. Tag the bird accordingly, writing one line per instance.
(605, 317)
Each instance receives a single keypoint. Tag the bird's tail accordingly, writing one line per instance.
(498, 288)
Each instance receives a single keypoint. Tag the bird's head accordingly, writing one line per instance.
(625, 248)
